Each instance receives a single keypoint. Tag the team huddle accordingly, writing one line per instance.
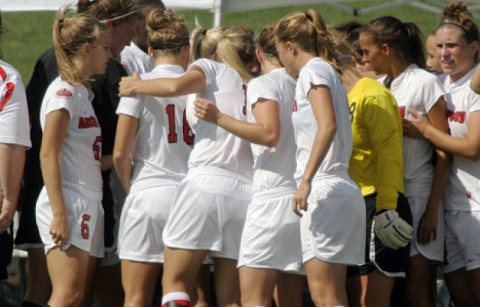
(338, 158)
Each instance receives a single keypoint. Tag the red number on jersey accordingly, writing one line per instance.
(97, 148)
(188, 136)
(84, 229)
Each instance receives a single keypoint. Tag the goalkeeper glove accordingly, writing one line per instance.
(392, 230)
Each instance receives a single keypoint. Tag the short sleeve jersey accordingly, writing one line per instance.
(319, 72)
(135, 59)
(376, 163)
(13, 108)
(418, 90)
(81, 152)
(215, 146)
(463, 190)
(274, 167)
(163, 140)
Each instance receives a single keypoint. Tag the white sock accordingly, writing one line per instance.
(172, 296)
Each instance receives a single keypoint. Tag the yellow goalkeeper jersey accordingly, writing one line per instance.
(376, 163)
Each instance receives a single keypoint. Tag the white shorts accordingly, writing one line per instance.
(85, 218)
(143, 219)
(208, 214)
(333, 227)
(433, 250)
(462, 243)
(271, 236)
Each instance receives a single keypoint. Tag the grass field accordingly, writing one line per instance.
(29, 34)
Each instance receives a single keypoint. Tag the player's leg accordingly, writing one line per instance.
(459, 288)
(70, 271)
(256, 286)
(419, 281)
(474, 281)
(289, 290)
(139, 280)
(180, 271)
(326, 282)
(39, 287)
(227, 282)
(377, 289)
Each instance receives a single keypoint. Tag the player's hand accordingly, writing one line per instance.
(392, 230)
(427, 226)
(299, 201)
(6, 219)
(206, 110)
(419, 122)
(127, 85)
(59, 230)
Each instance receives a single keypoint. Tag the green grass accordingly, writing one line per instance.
(29, 34)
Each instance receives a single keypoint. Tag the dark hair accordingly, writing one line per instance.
(403, 37)
(143, 3)
(110, 12)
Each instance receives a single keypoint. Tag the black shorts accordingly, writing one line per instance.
(6, 250)
(393, 263)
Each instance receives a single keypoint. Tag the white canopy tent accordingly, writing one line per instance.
(218, 7)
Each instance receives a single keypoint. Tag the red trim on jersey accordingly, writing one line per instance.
(8, 93)
(3, 74)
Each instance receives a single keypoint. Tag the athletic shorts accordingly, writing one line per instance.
(143, 219)
(271, 236)
(434, 249)
(330, 227)
(209, 213)
(6, 250)
(392, 263)
(462, 240)
(85, 218)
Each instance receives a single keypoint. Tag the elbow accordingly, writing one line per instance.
(271, 140)
(472, 153)
(45, 158)
(475, 155)
(119, 158)
(331, 129)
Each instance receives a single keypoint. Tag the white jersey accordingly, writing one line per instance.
(13, 108)
(419, 90)
(163, 141)
(274, 167)
(462, 191)
(135, 59)
(319, 72)
(215, 146)
(81, 152)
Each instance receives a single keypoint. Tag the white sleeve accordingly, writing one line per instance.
(208, 68)
(14, 118)
(131, 106)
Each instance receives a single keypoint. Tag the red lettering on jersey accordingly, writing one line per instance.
(402, 111)
(295, 107)
(458, 117)
(87, 122)
(64, 93)
(9, 87)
